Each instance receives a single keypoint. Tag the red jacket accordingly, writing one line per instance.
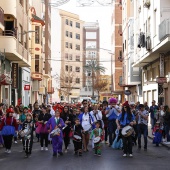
(8, 122)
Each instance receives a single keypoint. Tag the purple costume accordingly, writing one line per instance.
(57, 141)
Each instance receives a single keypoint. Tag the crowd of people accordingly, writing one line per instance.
(58, 124)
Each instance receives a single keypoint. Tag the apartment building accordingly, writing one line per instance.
(151, 48)
(117, 56)
(15, 38)
(91, 48)
(71, 52)
(131, 76)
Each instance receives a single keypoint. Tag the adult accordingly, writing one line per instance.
(153, 111)
(142, 125)
(166, 118)
(57, 140)
(16, 115)
(112, 114)
(8, 127)
(68, 120)
(124, 119)
(87, 122)
(50, 110)
(43, 119)
(105, 120)
(146, 106)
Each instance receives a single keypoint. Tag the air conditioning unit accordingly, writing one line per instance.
(146, 3)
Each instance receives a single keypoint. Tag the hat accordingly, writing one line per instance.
(112, 100)
(25, 107)
(126, 103)
(10, 110)
(132, 103)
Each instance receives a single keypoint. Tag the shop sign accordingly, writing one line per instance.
(14, 75)
(127, 92)
(26, 87)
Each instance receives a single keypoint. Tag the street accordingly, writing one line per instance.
(155, 158)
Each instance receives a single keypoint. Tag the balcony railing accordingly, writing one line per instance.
(1, 16)
(164, 29)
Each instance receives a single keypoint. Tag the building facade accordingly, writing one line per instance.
(71, 56)
(91, 48)
(117, 56)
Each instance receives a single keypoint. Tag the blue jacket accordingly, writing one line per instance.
(113, 116)
(91, 119)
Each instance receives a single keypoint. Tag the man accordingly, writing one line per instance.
(142, 125)
(86, 103)
(112, 114)
(146, 106)
(153, 111)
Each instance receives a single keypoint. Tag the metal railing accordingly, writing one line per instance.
(9, 33)
(1, 16)
(164, 29)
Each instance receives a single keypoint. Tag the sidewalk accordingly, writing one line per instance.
(166, 144)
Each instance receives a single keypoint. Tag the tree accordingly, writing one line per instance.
(100, 86)
(95, 68)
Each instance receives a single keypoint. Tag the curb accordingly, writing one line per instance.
(168, 147)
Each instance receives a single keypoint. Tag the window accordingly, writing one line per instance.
(66, 67)
(78, 36)
(78, 80)
(77, 47)
(71, 23)
(77, 25)
(71, 46)
(70, 57)
(71, 68)
(66, 56)
(91, 35)
(88, 73)
(77, 69)
(66, 21)
(66, 33)
(66, 79)
(120, 53)
(25, 41)
(66, 44)
(37, 63)
(71, 35)
(37, 34)
(71, 79)
(155, 22)
(77, 58)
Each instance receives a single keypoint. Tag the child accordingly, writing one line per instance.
(78, 129)
(97, 132)
(157, 132)
(28, 138)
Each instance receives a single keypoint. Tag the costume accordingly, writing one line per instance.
(8, 127)
(127, 141)
(97, 146)
(28, 139)
(58, 139)
(78, 143)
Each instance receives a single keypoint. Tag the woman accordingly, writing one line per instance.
(87, 123)
(68, 120)
(57, 140)
(8, 127)
(124, 119)
(43, 119)
(166, 118)
(16, 116)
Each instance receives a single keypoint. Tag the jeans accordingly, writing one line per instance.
(167, 128)
(153, 121)
(111, 130)
(142, 129)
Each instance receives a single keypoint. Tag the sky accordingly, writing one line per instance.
(101, 14)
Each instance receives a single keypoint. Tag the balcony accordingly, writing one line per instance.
(37, 76)
(15, 51)
(50, 90)
(1, 19)
(164, 29)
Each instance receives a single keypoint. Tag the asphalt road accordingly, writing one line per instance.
(156, 158)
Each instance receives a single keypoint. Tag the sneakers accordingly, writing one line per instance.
(42, 148)
(54, 154)
(60, 153)
(66, 150)
(9, 151)
(46, 149)
(130, 155)
(99, 154)
(80, 153)
(125, 155)
(15, 142)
